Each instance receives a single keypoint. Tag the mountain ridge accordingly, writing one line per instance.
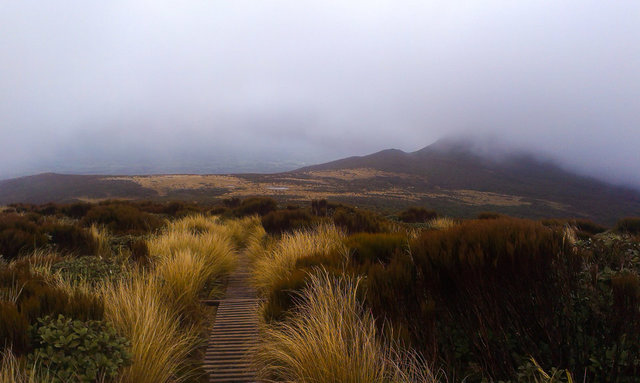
(452, 177)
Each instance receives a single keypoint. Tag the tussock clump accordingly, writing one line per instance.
(192, 253)
(630, 225)
(196, 224)
(215, 247)
(490, 215)
(417, 215)
(19, 234)
(15, 370)
(241, 229)
(159, 344)
(331, 338)
(102, 239)
(280, 221)
(441, 223)
(184, 276)
(354, 220)
(122, 218)
(280, 261)
(254, 205)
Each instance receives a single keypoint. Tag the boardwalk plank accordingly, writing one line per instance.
(235, 331)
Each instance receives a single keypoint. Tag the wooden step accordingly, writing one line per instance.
(235, 331)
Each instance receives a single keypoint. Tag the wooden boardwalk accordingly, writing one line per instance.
(235, 331)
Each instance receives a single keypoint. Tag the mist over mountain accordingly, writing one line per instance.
(159, 87)
(456, 177)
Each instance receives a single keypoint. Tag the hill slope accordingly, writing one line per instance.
(455, 166)
(447, 176)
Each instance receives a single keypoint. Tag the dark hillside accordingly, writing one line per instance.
(51, 187)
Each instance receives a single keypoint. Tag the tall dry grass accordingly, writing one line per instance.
(159, 344)
(279, 261)
(190, 255)
(441, 223)
(185, 276)
(13, 370)
(102, 239)
(241, 230)
(159, 310)
(331, 338)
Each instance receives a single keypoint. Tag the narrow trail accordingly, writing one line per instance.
(235, 330)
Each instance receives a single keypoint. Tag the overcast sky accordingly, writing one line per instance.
(180, 85)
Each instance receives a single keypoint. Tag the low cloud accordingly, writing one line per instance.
(197, 86)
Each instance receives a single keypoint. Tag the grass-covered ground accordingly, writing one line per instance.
(117, 300)
(112, 292)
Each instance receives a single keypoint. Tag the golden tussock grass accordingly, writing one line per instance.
(279, 261)
(13, 370)
(102, 238)
(330, 337)
(185, 276)
(197, 224)
(41, 260)
(441, 223)
(241, 229)
(257, 242)
(159, 344)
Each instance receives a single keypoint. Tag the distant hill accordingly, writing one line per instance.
(51, 187)
(448, 176)
(453, 165)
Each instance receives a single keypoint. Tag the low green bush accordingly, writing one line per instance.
(71, 238)
(490, 215)
(140, 251)
(25, 297)
(254, 205)
(368, 248)
(283, 294)
(585, 227)
(20, 234)
(73, 350)
(630, 225)
(92, 269)
(122, 218)
(13, 329)
(417, 215)
(279, 221)
(358, 221)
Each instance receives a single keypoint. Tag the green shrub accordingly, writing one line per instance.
(13, 329)
(255, 205)
(38, 298)
(490, 215)
(279, 221)
(48, 209)
(283, 295)
(20, 234)
(80, 351)
(92, 269)
(320, 207)
(71, 238)
(630, 225)
(417, 215)
(77, 210)
(358, 221)
(368, 248)
(585, 227)
(485, 276)
(122, 218)
(218, 210)
(31, 297)
(140, 251)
